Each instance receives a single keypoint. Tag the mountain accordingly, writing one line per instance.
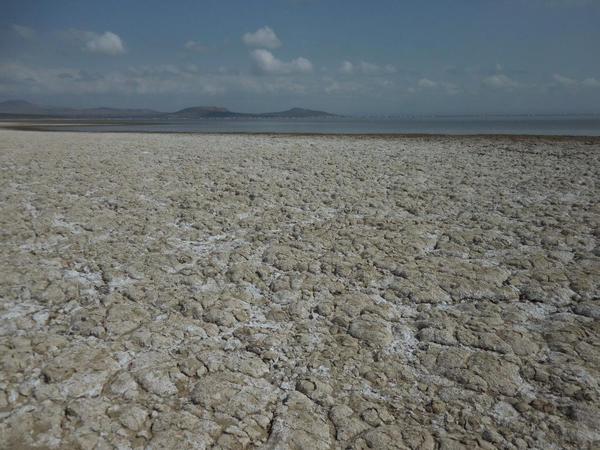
(298, 112)
(198, 112)
(22, 107)
(218, 112)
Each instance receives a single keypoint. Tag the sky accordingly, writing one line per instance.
(384, 57)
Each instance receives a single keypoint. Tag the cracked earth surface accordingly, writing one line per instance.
(280, 292)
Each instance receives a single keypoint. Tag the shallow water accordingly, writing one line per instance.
(573, 126)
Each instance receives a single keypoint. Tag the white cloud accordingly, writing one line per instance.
(195, 46)
(347, 67)
(565, 81)
(500, 81)
(343, 87)
(571, 83)
(369, 68)
(426, 83)
(24, 32)
(107, 43)
(372, 86)
(267, 63)
(263, 37)
(591, 82)
(440, 86)
(366, 68)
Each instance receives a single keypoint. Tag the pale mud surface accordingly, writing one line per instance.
(179, 291)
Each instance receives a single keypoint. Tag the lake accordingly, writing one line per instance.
(519, 125)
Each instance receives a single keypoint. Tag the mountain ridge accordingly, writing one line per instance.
(23, 107)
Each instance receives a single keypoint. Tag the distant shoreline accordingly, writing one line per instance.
(99, 128)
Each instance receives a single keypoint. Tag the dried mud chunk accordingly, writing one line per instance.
(467, 378)
(174, 430)
(15, 360)
(371, 329)
(248, 364)
(588, 309)
(33, 427)
(483, 340)
(522, 344)
(500, 376)
(395, 437)
(443, 336)
(124, 385)
(585, 414)
(88, 322)
(299, 424)
(124, 317)
(157, 381)
(318, 391)
(84, 414)
(219, 317)
(133, 417)
(346, 424)
(81, 359)
(234, 394)
(453, 444)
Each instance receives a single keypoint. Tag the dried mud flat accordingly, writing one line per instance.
(215, 291)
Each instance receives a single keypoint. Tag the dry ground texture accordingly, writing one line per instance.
(298, 292)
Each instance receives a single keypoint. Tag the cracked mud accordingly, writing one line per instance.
(214, 291)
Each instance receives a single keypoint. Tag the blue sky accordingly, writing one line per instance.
(349, 57)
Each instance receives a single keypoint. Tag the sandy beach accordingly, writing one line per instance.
(164, 291)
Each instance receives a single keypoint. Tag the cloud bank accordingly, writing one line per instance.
(21, 79)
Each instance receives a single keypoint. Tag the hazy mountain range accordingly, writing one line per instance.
(24, 108)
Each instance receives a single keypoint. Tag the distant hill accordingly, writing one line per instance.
(298, 112)
(22, 107)
(215, 112)
(197, 112)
